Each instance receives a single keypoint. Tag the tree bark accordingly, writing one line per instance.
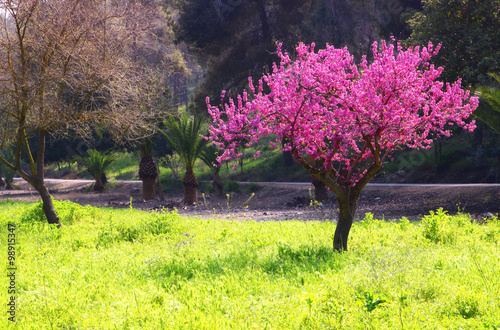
(218, 185)
(48, 205)
(38, 181)
(190, 188)
(348, 195)
(348, 203)
(98, 186)
(149, 188)
(9, 185)
(104, 179)
(320, 191)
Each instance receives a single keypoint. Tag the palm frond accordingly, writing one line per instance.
(209, 156)
(146, 146)
(97, 162)
(184, 135)
(489, 109)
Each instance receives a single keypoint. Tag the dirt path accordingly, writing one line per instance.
(284, 201)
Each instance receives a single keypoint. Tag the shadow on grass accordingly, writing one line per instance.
(286, 261)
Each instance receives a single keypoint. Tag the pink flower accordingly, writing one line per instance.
(348, 117)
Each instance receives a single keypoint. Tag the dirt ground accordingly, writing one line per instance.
(283, 202)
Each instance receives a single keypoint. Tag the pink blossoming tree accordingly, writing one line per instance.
(342, 121)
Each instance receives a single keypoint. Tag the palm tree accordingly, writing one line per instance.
(490, 114)
(209, 156)
(184, 136)
(147, 170)
(96, 165)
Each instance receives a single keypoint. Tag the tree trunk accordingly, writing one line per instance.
(48, 205)
(98, 186)
(104, 179)
(218, 186)
(190, 188)
(160, 187)
(320, 190)
(9, 185)
(287, 155)
(348, 204)
(149, 188)
(38, 181)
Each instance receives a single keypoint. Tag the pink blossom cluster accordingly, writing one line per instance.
(346, 116)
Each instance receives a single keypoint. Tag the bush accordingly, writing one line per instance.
(67, 211)
(253, 187)
(232, 186)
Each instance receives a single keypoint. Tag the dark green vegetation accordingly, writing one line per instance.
(96, 164)
(133, 269)
(469, 34)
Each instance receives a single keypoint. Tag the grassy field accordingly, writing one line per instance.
(130, 269)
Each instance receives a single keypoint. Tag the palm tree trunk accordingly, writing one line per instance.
(149, 188)
(218, 185)
(190, 188)
(98, 186)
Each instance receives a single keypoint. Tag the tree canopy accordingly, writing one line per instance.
(236, 39)
(469, 33)
(72, 65)
(347, 118)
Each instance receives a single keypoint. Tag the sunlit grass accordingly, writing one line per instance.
(130, 269)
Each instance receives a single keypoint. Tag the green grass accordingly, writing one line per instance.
(130, 269)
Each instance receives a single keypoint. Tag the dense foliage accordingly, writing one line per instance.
(235, 39)
(469, 33)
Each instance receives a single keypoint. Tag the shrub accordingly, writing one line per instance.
(232, 186)
(253, 187)
(437, 227)
(67, 211)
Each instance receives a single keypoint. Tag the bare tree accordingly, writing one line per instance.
(69, 65)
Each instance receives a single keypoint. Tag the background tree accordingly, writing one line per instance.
(469, 33)
(6, 172)
(209, 156)
(148, 172)
(96, 164)
(236, 39)
(184, 135)
(347, 117)
(69, 65)
(489, 109)
(357, 23)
